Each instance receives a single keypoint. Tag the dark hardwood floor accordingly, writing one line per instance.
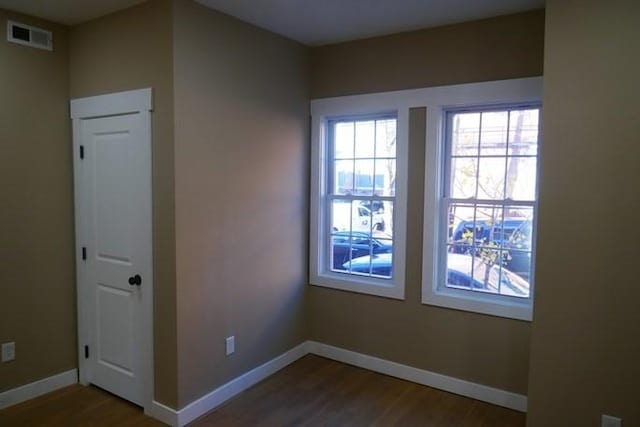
(76, 405)
(313, 391)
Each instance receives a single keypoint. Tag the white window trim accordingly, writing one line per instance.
(499, 92)
(322, 110)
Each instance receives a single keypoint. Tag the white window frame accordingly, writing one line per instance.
(434, 291)
(322, 112)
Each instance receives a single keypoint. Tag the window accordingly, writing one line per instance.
(481, 202)
(481, 162)
(359, 187)
(491, 159)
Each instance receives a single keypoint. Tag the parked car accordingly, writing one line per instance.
(505, 282)
(459, 273)
(378, 264)
(349, 245)
(514, 236)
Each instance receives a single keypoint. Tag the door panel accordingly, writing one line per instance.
(117, 246)
(114, 337)
(113, 195)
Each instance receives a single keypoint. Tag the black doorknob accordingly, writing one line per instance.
(135, 280)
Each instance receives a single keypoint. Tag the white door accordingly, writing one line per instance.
(112, 163)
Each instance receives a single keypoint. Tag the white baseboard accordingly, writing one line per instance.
(421, 376)
(226, 391)
(162, 413)
(37, 388)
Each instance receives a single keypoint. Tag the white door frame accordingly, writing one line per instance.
(135, 101)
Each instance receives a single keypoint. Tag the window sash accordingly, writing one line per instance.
(501, 203)
(330, 196)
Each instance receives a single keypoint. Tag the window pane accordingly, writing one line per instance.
(360, 217)
(488, 225)
(365, 139)
(516, 274)
(519, 223)
(463, 177)
(457, 215)
(343, 140)
(340, 251)
(462, 236)
(458, 268)
(491, 178)
(386, 138)
(523, 132)
(383, 221)
(364, 177)
(341, 215)
(343, 177)
(486, 271)
(465, 135)
(385, 179)
(493, 138)
(521, 178)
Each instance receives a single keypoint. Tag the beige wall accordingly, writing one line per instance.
(479, 348)
(586, 331)
(241, 120)
(37, 278)
(132, 49)
(490, 49)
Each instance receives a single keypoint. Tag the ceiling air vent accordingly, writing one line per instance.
(29, 36)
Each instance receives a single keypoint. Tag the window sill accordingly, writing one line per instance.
(381, 288)
(494, 305)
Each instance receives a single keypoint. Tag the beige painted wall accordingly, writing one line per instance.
(241, 120)
(241, 117)
(127, 50)
(478, 348)
(489, 49)
(37, 277)
(586, 331)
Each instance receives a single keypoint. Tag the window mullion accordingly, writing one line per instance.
(504, 207)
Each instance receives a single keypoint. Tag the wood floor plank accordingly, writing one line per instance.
(319, 392)
(311, 392)
(76, 405)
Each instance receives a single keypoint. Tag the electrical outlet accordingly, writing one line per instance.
(609, 421)
(231, 345)
(8, 351)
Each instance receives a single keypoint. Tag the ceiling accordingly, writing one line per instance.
(317, 22)
(312, 22)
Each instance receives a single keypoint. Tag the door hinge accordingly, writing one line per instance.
(84, 253)
(82, 151)
(86, 351)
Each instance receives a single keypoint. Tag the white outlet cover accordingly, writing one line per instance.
(8, 351)
(609, 421)
(231, 344)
